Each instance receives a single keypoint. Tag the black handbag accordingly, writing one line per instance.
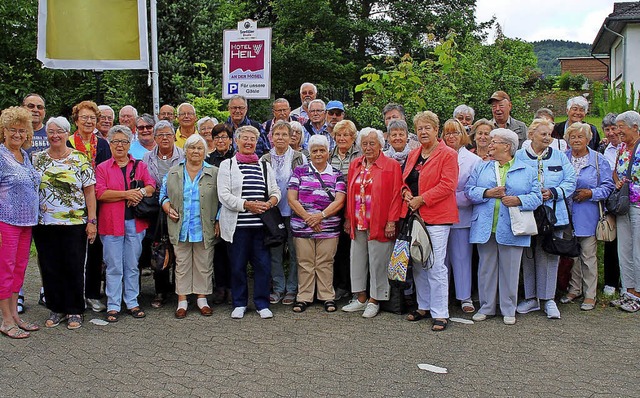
(149, 206)
(545, 219)
(162, 255)
(396, 303)
(559, 245)
(618, 201)
(275, 231)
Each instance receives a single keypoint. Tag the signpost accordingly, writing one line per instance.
(246, 69)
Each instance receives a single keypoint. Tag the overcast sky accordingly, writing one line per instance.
(533, 20)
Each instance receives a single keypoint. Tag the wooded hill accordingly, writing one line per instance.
(548, 52)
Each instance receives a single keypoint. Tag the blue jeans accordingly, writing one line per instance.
(121, 254)
(277, 264)
(248, 246)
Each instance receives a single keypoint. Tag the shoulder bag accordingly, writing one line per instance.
(275, 231)
(606, 227)
(559, 245)
(618, 201)
(149, 206)
(162, 255)
(398, 266)
(522, 221)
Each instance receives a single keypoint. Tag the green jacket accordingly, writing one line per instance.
(208, 202)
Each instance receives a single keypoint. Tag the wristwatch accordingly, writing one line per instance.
(92, 221)
(144, 191)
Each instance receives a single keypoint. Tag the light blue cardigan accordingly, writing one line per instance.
(521, 181)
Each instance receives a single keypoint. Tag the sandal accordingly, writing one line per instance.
(158, 301)
(28, 326)
(330, 306)
(112, 316)
(53, 320)
(416, 315)
(439, 325)
(467, 306)
(137, 312)
(300, 306)
(14, 332)
(20, 305)
(74, 322)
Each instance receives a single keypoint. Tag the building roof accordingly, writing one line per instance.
(623, 13)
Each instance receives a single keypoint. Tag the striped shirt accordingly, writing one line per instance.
(253, 188)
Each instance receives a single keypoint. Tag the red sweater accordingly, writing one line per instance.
(386, 199)
(436, 184)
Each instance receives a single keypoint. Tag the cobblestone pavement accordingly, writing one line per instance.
(319, 354)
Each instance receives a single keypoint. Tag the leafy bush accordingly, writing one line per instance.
(616, 100)
(569, 81)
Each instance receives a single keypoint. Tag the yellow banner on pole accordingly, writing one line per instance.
(93, 34)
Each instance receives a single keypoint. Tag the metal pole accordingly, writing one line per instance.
(154, 59)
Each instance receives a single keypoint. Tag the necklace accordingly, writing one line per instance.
(57, 156)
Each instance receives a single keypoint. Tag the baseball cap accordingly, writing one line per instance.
(499, 96)
(335, 105)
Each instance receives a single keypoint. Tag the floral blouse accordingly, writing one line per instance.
(62, 200)
(622, 164)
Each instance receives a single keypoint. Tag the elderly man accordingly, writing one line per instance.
(187, 122)
(167, 112)
(316, 123)
(577, 108)
(105, 122)
(281, 111)
(127, 117)
(501, 109)
(146, 140)
(238, 108)
(335, 114)
(35, 104)
(308, 93)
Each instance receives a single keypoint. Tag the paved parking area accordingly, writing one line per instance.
(319, 354)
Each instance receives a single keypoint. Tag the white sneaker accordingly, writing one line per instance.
(265, 313)
(238, 312)
(371, 310)
(509, 320)
(552, 310)
(95, 305)
(527, 306)
(609, 291)
(354, 306)
(479, 317)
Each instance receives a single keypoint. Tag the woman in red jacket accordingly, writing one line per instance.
(430, 177)
(373, 208)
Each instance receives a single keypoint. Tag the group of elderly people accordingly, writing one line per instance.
(342, 208)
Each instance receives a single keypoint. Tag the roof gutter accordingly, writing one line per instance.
(624, 50)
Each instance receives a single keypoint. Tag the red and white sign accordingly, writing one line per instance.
(246, 68)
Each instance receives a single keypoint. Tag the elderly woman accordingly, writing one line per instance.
(19, 183)
(431, 176)
(205, 129)
(316, 195)
(340, 158)
(577, 108)
(499, 249)
(146, 141)
(373, 208)
(165, 155)
(544, 113)
(465, 115)
(398, 136)
(120, 232)
(594, 183)
(459, 250)
(557, 179)
(628, 225)
(97, 150)
(297, 138)
(283, 160)
(190, 201)
(245, 192)
(223, 138)
(480, 131)
(67, 220)
(611, 264)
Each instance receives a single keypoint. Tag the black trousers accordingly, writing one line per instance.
(611, 264)
(221, 268)
(93, 273)
(62, 251)
(342, 263)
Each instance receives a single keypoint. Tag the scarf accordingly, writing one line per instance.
(93, 147)
(282, 166)
(242, 158)
(400, 157)
(540, 164)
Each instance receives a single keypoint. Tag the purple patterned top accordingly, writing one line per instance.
(314, 200)
(19, 201)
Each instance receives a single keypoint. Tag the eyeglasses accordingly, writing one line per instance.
(120, 142)
(145, 127)
(285, 110)
(183, 114)
(237, 108)
(56, 132)
(87, 118)
(452, 134)
(164, 135)
(32, 106)
(335, 112)
(19, 131)
(220, 137)
(317, 111)
(108, 118)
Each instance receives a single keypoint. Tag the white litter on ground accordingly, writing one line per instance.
(462, 320)
(99, 322)
(432, 368)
